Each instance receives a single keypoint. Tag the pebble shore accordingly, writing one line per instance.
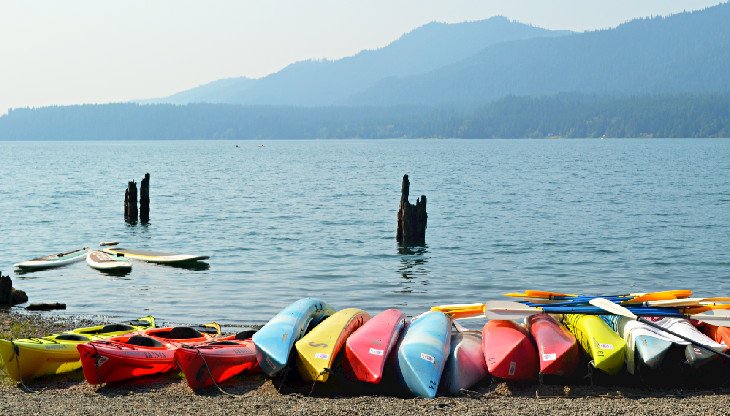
(254, 394)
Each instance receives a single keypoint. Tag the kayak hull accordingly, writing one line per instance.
(509, 351)
(422, 353)
(645, 346)
(557, 348)
(466, 365)
(606, 350)
(275, 340)
(214, 363)
(368, 348)
(316, 351)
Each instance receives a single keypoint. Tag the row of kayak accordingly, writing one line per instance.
(429, 354)
(109, 259)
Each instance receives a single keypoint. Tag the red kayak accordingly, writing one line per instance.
(509, 351)
(558, 350)
(130, 356)
(216, 362)
(719, 334)
(369, 346)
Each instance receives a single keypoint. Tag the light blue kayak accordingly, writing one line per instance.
(422, 353)
(466, 365)
(644, 345)
(275, 340)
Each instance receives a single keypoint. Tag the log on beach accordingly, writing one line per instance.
(45, 306)
(412, 219)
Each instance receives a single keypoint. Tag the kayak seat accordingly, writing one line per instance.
(72, 337)
(205, 329)
(180, 332)
(143, 341)
(224, 343)
(109, 328)
(244, 335)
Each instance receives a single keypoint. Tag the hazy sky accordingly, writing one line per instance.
(81, 51)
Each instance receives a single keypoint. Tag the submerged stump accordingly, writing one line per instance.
(411, 218)
(144, 199)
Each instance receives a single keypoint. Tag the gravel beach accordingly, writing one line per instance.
(254, 394)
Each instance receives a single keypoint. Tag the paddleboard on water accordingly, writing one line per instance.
(422, 353)
(53, 260)
(599, 342)
(107, 262)
(509, 351)
(368, 348)
(465, 365)
(154, 256)
(317, 350)
(274, 341)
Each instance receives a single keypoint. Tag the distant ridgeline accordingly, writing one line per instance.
(562, 115)
(654, 77)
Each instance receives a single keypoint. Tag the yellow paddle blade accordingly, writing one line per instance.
(466, 314)
(704, 308)
(716, 299)
(545, 294)
(457, 306)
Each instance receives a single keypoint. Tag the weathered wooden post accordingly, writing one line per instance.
(130, 203)
(411, 218)
(144, 199)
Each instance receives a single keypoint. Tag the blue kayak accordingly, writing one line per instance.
(275, 340)
(422, 353)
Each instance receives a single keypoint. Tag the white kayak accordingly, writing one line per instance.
(53, 260)
(155, 257)
(695, 356)
(107, 262)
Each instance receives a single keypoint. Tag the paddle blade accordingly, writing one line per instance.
(507, 310)
(719, 317)
(664, 295)
(547, 295)
(611, 307)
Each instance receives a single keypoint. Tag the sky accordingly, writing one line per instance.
(57, 52)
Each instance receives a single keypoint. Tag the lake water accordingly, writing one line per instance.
(318, 218)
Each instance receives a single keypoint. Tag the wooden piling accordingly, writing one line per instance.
(130, 203)
(412, 219)
(144, 199)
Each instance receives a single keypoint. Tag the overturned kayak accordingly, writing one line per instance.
(53, 260)
(606, 350)
(217, 361)
(368, 348)
(107, 262)
(317, 350)
(509, 351)
(645, 345)
(557, 348)
(422, 353)
(155, 257)
(143, 354)
(696, 357)
(26, 359)
(275, 340)
(466, 365)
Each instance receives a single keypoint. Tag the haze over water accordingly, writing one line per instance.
(318, 218)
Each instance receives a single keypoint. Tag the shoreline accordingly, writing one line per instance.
(169, 394)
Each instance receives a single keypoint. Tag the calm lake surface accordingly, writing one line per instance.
(318, 218)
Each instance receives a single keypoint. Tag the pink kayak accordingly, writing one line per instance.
(369, 346)
(557, 348)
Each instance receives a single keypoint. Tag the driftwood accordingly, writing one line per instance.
(10, 296)
(45, 306)
(144, 199)
(130, 203)
(411, 218)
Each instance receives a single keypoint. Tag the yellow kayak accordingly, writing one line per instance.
(26, 359)
(317, 350)
(603, 345)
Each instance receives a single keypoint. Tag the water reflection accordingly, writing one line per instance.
(412, 266)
